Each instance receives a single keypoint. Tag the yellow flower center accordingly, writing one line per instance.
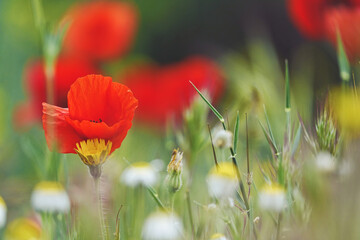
(273, 189)
(93, 152)
(23, 228)
(49, 186)
(217, 235)
(2, 202)
(141, 165)
(224, 169)
(346, 106)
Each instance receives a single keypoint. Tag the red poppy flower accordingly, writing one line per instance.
(67, 70)
(320, 19)
(98, 118)
(165, 92)
(101, 30)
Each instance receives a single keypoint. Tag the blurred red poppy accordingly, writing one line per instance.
(100, 30)
(98, 109)
(320, 19)
(67, 70)
(165, 92)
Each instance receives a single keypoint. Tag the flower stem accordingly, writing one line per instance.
(104, 233)
(278, 227)
(190, 214)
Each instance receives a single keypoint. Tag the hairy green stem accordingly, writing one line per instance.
(104, 233)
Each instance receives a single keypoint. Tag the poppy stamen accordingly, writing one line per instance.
(93, 152)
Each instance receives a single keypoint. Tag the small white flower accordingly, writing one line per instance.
(222, 181)
(3, 211)
(140, 173)
(157, 164)
(50, 197)
(272, 197)
(218, 236)
(325, 162)
(211, 206)
(162, 226)
(222, 138)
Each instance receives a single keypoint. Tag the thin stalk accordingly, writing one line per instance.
(278, 227)
(247, 147)
(172, 201)
(221, 119)
(190, 214)
(104, 233)
(138, 215)
(213, 148)
(241, 184)
(47, 222)
(287, 103)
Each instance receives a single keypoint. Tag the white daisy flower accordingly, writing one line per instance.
(162, 226)
(3, 211)
(140, 173)
(325, 162)
(50, 197)
(222, 181)
(272, 197)
(222, 138)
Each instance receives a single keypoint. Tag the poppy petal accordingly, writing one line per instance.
(87, 98)
(90, 130)
(58, 132)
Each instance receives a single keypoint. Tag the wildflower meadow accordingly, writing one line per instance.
(179, 120)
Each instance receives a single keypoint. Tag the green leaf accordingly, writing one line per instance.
(218, 115)
(39, 17)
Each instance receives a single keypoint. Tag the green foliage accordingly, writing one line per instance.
(326, 133)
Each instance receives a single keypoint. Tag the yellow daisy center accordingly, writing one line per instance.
(2, 202)
(141, 165)
(49, 186)
(93, 152)
(273, 189)
(217, 235)
(224, 169)
(23, 228)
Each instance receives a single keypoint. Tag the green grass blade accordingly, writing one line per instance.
(236, 131)
(273, 147)
(269, 128)
(343, 61)
(218, 115)
(296, 141)
(287, 87)
(154, 194)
